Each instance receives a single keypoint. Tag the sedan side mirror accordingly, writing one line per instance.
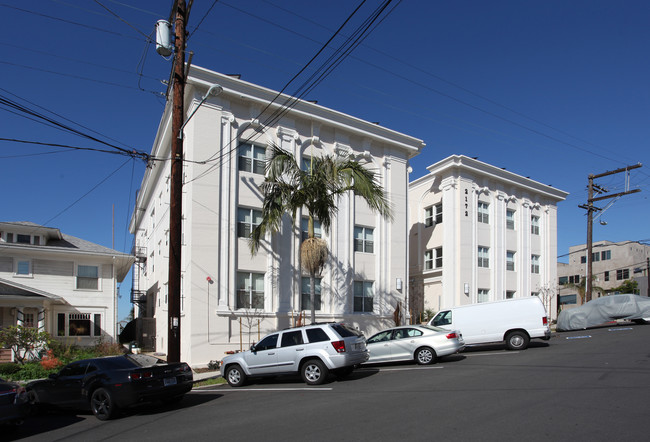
(253, 349)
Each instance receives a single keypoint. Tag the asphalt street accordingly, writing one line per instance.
(582, 385)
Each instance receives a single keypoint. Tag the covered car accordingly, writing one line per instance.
(601, 310)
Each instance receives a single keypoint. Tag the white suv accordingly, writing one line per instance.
(312, 350)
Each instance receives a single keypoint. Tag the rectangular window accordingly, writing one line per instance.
(534, 263)
(483, 212)
(247, 220)
(60, 324)
(97, 324)
(484, 257)
(583, 259)
(363, 239)
(605, 255)
(574, 279)
(433, 259)
(306, 295)
(252, 158)
(250, 290)
(595, 257)
(433, 214)
(23, 239)
(568, 299)
(307, 163)
(510, 294)
(534, 225)
(606, 276)
(483, 295)
(510, 219)
(23, 267)
(10, 237)
(439, 257)
(428, 260)
(428, 216)
(87, 277)
(363, 293)
(534, 293)
(28, 320)
(37, 240)
(510, 261)
(79, 324)
(563, 280)
(622, 274)
(304, 225)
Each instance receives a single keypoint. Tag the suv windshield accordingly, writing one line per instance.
(346, 331)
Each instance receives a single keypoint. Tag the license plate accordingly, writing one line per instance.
(169, 381)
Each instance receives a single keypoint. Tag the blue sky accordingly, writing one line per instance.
(552, 90)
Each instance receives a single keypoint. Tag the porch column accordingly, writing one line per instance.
(41, 319)
(20, 318)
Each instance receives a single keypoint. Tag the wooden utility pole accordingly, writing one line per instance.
(176, 189)
(590, 217)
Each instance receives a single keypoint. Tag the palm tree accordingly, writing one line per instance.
(288, 188)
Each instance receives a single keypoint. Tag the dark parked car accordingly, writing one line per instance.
(13, 404)
(107, 384)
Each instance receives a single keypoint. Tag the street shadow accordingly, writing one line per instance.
(44, 422)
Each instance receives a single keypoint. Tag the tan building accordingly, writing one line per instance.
(612, 264)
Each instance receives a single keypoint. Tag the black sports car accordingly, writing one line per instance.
(113, 382)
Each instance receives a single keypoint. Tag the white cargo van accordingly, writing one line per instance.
(513, 321)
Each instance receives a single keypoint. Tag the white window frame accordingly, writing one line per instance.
(254, 162)
(535, 264)
(433, 259)
(99, 277)
(433, 215)
(366, 287)
(251, 213)
(68, 316)
(510, 219)
(483, 212)
(363, 244)
(17, 263)
(305, 296)
(510, 260)
(483, 257)
(483, 295)
(249, 289)
(534, 224)
(304, 228)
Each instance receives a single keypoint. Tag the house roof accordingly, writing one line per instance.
(60, 242)
(13, 290)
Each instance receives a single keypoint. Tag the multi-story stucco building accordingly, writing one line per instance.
(612, 264)
(226, 291)
(58, 283)
(480, 233)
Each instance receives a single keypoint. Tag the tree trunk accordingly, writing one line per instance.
(312, 295)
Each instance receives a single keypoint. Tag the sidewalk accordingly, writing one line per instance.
(206, 375)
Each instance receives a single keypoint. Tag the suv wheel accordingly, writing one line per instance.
(314, 372)
(235, 376)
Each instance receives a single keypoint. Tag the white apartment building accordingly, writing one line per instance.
(58, 283)
(480, 233)
(229, 297)
(612, 264)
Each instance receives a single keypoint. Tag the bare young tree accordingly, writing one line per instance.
(250, 319)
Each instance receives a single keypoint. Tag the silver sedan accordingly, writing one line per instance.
(421, 343)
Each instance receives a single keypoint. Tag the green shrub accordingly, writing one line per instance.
(8, 368)
(29, 371)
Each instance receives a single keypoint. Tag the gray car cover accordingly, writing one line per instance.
(605, 309)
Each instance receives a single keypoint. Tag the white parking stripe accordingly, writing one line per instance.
(398, 369)
(261, 389)
(503, 353)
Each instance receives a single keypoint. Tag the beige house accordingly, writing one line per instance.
(229, 297)
(479, 233)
